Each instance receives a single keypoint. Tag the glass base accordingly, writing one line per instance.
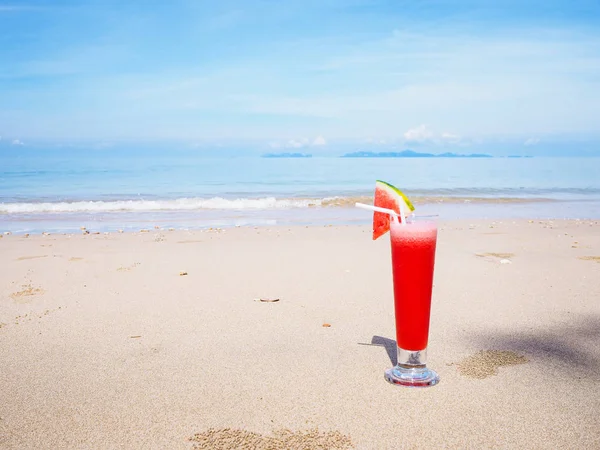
(411, 370)
(412, 377)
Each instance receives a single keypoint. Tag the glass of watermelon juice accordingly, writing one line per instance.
(413, 258)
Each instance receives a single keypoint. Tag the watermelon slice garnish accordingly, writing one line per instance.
(388, 196)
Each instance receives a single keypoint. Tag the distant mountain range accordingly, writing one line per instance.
(411, 154)
(286, 155)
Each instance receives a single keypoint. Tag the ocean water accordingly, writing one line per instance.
(109, 190)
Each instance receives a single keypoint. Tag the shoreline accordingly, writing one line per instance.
(199, 213)
(356, 218)
(154, 203)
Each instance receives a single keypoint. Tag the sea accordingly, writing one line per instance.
(104, 190)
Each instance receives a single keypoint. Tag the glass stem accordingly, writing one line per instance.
(412, 359)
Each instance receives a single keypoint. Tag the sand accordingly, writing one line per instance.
(105, 344)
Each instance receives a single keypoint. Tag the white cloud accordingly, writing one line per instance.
(449, 137)
(418, 134)
(319, 141)
(102, 145)
(377, 141)
(423, 134)
(532, 141)
(17, 142)
(299, 143)
(292, 143)
(11, 8)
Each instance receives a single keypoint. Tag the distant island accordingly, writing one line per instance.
(286, 155)
(411, 154)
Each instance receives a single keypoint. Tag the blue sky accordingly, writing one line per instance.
(303, 74)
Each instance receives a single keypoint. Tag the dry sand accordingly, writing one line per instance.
(105, 344)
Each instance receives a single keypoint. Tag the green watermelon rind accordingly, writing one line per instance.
(396, 191)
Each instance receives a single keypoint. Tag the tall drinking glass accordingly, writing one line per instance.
(413, 259)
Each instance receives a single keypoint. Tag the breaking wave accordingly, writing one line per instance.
(219, 203)
(180, 204)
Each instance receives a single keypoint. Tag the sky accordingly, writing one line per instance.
(310, 75)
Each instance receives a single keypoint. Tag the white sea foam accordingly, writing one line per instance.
(219, 203)
(180, 204)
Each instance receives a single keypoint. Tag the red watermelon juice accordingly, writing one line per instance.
(413, 259)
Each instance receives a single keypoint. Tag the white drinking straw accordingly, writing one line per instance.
(402, 214)
(391, 212)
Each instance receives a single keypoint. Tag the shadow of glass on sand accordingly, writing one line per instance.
(388, 344)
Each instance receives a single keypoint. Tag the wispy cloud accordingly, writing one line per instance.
(418, 134)
(319, 141)
(20, 8)
(293, 143)
(450, 138)
(423, 134)
(255, 72)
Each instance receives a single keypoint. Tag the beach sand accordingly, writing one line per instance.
(159, 340)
